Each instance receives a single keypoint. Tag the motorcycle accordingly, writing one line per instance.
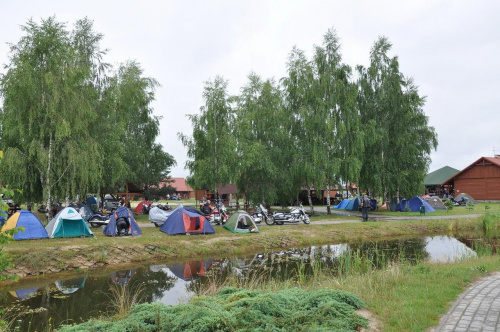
(217, 215)
(56, 207)
(296, 214)
(262, 214)
(99, 218)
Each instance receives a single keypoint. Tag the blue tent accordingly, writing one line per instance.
(92, 202)
(33, 228)
(24, 293)
(183, 221)
(84, 211)
(353, 205)
(343, 204)
(122, 212)
(414, 205)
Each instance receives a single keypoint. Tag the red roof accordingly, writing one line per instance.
(493, 160)
(179, 183)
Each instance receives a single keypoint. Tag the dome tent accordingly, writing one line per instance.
(33, 228)
(140, 206)
(241, 222)
(414, 205)
(122, 212)
(183, 221)
(343, 204)
(436, 202)
(353, 205)
(68, 223)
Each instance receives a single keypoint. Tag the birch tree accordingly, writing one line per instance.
(212, 146)
(398, 139)
(258, 128)
(335, 122)
(49, 94)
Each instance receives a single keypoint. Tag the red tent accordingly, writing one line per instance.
(138, 208)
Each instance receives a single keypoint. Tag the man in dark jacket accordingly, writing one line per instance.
(365, 207)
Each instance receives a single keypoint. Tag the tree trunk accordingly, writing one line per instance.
(328, 207)
(310, 201)
(48, 183)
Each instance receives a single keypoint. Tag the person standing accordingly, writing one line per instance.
(365, 207)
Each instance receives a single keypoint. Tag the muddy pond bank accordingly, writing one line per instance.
(33, 258)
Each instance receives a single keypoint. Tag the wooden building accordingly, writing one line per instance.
(182, 189)
(433, 181)
(480, 180)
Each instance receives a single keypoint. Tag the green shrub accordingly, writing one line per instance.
(237, 309)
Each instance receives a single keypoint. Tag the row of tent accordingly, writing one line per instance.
(187, 219)
(430, 204)
(69, 223)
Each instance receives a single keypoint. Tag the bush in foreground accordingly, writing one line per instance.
(234, 309)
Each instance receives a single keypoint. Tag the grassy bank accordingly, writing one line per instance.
(400, 297)
(57, 255)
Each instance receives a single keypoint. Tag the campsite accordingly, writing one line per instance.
(305, 198)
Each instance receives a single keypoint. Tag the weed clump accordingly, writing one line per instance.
(244, 310)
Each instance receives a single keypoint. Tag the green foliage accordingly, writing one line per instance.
(449, 204)
(398, 139)
(211, 149)
(259, 119)
(491, 221)
(5, 238)
(143, 161)
(67, 127)
(240, 309)
(49, 91)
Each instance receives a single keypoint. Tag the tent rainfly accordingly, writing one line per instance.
(241, 222)
(68, 223)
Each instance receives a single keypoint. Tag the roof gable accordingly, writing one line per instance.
(439, 176)
(493, 160)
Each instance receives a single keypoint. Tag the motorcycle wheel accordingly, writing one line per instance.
(306, 220)
(269, 220)
(157, 224)
(93, 222)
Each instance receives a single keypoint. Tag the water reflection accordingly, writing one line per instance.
(444, 249)
(77, 299)
(70, 286)
(122, 278)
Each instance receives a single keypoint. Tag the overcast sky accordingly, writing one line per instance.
(450, 48)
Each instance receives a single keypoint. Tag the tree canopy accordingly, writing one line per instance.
(68, 125)
(320, 127)
(212, 148)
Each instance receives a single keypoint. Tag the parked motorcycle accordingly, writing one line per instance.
(296, 214)
(99, 218)
(218, 214)
(262, 214)
(56, 207)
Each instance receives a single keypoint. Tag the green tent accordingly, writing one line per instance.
(68, 223)
(241, 222)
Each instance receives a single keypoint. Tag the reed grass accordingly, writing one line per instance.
(124, 297)
(491, 221)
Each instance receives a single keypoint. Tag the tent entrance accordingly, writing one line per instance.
(70, 228)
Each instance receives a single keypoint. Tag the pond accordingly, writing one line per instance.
(68, 299)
